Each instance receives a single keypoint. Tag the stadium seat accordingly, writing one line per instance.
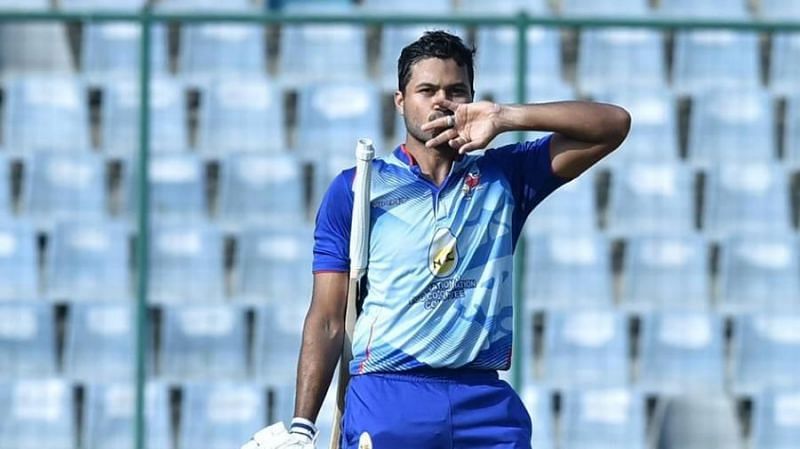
(27, 340)
(29, 47)
(112, 50)
(653, 136)
(36, 414)
(697, 422)
(766, 352)
(442, 7)
(571, 208)
(261, 189)
(653, 197)
(120, 116)
(19, 265)
(759, 273)
(476, 7)
(102, 5)
(331, 117)
(775, 421)
(496, 66)
(709, 9)
(109, 411)
(538, 402)
(186, 264)
(314, 53)
(243, 114)
(394, 38)
(46, 112)
(620, 59)
(273, 264)
(665, 272)
(100, 341)
(595, 8)
(221, 415)
(526, 349)
(554, 262)
(206, 5)
(29, 5)
(751, 197)
(88, 260)
(791, 136)
(682, 352)
(213, 50)
(325, 170)
(610, 418)
(177, 188)
(779, 9)
(711, 59)
(586, 348)
(203, 342)
(6, 198)
(784, 72)
(732, 126)
(278, 335)
(61, 186)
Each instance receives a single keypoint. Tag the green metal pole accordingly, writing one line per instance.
(522, 64)
(142, 242)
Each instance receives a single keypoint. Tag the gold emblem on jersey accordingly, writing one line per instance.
(364, 441)
(443, 253)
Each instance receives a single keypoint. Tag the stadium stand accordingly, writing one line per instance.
(591, 8)
(35, 47)
(37, 413)
(706, 59)
(537, 7)
(697, 422)
(19, 264)
(603, 419)
(220, 415)
(572, 207)
(111, 50)
(209, 51)
(766, 352)
(774, 422)
(27, 340)
(279, 328)
(538, 402)
(791, 137)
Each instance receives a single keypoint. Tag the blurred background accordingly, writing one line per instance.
(659, 293)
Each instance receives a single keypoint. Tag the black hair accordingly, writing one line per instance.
(435, 44)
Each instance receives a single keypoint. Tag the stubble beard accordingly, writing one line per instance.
(413, 130)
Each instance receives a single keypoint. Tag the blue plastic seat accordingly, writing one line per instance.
(278, 337)
(46, 112)
(273, 264)
(30, 47)
(552, 263)
(221, 415)
(650, 198)
(394, 38)
(27, 340)
(61, 186)
(243, 114)
(774, 422)
(711, 59)
(538, 402)
(109, 411)
(30, 5)
(476, 7)
(746, 197)
(495, 65)
(697, 422)
(325, 170)
(442, 7)
(791, 133)
(234, 6)
(666, 272)
(603, 419)
(222, 50)
(621, 59)
(112, 49)
(203, 342)
(766, 352)
(88, 260)
(186, 264)
(333, 116)
(6, 198)
(732, 126)
(19, 265)
(784, 73)
(709, 9)
(177, 188)
(682, 352)
(653, 136)
(100, 339)
(573, 207)
(759, 273)
(102, 5)
(614, 8)
(779, 9)
(586, 348)
(36, 414)
(120, 116)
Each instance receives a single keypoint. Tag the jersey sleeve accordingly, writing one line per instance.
(332, 229)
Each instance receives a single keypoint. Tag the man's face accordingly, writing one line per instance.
(432, 80)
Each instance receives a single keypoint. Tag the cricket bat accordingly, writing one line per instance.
(359, 255)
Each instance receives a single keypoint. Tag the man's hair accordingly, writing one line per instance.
(435, 44)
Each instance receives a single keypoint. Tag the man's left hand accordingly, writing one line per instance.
(470, 127)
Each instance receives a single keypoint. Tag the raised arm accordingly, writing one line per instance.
(323, 336)
(584, 132)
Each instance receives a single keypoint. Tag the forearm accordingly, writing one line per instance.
(576, 120)
(322, 346)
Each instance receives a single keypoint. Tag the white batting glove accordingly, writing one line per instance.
(277, 437)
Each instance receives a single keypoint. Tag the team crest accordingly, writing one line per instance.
(364, 441)
(471, 181)
(443, 253)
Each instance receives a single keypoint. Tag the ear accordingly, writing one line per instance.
(398, 101)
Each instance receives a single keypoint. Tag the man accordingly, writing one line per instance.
(436, 323)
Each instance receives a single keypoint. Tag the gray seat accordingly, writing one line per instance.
(698, 422)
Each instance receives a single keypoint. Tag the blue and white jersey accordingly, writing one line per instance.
(439, 282)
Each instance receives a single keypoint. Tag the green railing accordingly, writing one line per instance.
(521, 22)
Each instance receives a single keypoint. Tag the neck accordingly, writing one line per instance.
(434, 163)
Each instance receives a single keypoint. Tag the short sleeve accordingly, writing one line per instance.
(332, 229)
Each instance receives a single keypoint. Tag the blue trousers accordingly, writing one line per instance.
(435, 409)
